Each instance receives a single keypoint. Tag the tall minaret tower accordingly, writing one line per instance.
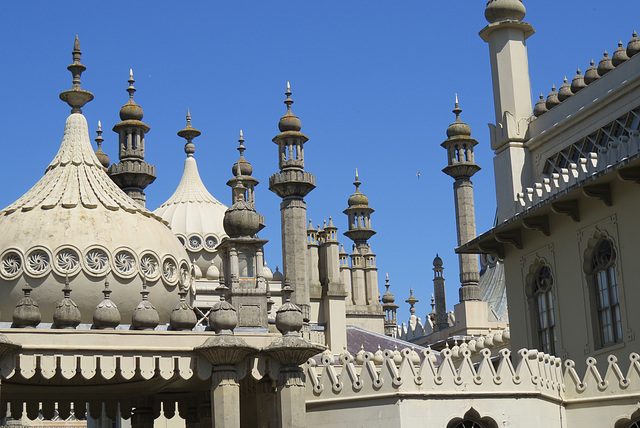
(292, 184)
(506, 35)
(442, 319)
(132, 174)
(461, 167)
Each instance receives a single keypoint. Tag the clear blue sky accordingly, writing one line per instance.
(373, 83)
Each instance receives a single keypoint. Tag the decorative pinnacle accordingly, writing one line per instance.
(241, 147)
(27, 289)
(357, 183)
(76, 97)
(189, 133)
(457, 110)
(144, 292)
(412, 301)
(578, 71)
(433, 303)
(131, 89)
(99, 138)
(106, 292)
(67, 289)
(288, 101)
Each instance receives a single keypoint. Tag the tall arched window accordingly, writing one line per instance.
(543, 294)
(606, 290)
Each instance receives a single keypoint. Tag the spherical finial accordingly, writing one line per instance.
(289, 122)
(565, 90)
(223, 317)
(540, 107)
(67, 314)
(501, 10)
(591, 75)
(131, 110)
(145, 316)
(412, 301)
(242, 167)
(578, 82)
(189, 133)
(620, 55)
(289, 320)
(102, 156)
(633, 47)
(106, 315)
(458, 128)
(76, 97)
(27, 312)
(552, 98)
(182, 317)
(605, 65)
(358, 198)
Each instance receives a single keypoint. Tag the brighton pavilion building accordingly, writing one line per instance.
(114, 314)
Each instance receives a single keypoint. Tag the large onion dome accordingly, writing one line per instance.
(76, 223)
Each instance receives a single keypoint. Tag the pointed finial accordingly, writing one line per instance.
(288, 101)
(99, 138)
(457, 110)
(357, 182)
(189, 133)
(102, 156)
(241, 147)
(76, 97)
(131, 89)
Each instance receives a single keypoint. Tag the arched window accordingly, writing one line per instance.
(606, 290)
(472, 419)
(543, 294)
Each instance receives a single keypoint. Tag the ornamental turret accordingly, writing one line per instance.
(461, 166)
(132, 174)
(439, 297)
(292, 184)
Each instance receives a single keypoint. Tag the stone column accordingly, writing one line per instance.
(225, 397)
(466, 222)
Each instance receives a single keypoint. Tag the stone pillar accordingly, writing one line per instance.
(466, 225)
(225, 397)
(291, 401)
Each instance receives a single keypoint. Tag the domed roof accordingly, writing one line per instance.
(437, 262)
(131, 110)
(289, 122)
(192, 210)
(76, 222)
(499, 10)
(458, 128)
(357, 198)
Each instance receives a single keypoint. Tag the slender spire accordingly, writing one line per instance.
(412, 301)
(289, 122)
(288, 101)
(76, 97)
(101, 155)
(131, 89)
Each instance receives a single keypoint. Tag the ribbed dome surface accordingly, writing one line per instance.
(75, 221)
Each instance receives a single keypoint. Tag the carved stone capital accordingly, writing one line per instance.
(223, 350)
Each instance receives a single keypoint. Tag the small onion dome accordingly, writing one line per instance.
(223, 317)
(578, 82)
(500, 10)
(387, 297)
(437, 262)
(102, 156)
(182, 317)
(289, 318)
(266, 272)
(131, 110)
(213, 272)
(357, 198)
(458, 128)
(591, 75)
(289, 122)
(605, 65)
(565, 91)
(241, 219)
(27, 311)
(242, 167)
(67, 314)
(277, 275)
(145, 316)
(196, 270)
(106, 315)
(552, 98)
(633, 47)
(620, 55)
(540, 107)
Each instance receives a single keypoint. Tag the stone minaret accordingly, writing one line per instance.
(506, 35)
(441, 318)
(292, 184)
(359, 213)
(462, 167)
(389, 307)
(132, 174)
